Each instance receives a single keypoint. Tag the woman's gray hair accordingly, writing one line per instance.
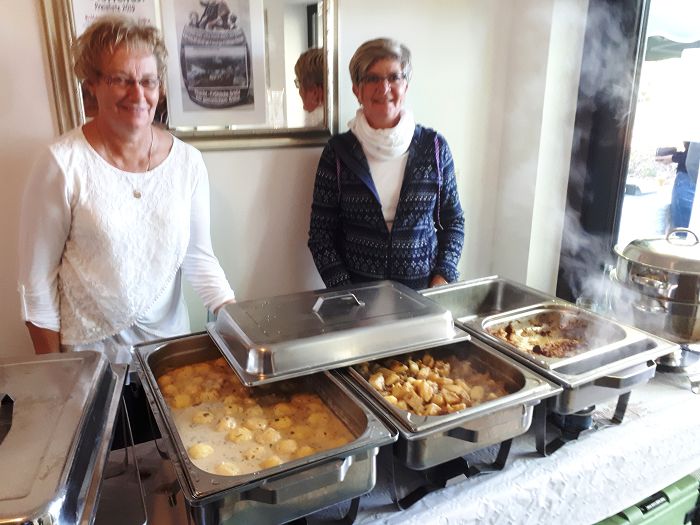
(109, 32)
(378, 49)
(309, 68)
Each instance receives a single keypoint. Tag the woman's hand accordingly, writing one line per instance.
(437, 280)
(45, 341)
(218, 308)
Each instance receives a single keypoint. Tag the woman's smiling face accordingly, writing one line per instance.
(132, 106)
(381, 92)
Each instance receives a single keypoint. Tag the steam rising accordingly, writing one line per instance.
(606, 84)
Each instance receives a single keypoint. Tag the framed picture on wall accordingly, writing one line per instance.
(85, 12)
(230, 79)
(216, 63)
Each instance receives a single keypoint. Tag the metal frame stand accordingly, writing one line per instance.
(436, 478)
(174, 488)
(118, 471)
(348, 519)
(122, 467)
(563, 436)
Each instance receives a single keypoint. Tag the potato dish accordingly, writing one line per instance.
(229, 429)
(431, 387)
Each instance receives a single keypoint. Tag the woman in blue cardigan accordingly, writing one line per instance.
(385, 203)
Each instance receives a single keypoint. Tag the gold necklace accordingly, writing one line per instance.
(136, 192)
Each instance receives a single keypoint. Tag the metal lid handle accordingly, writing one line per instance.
(628, 377)
(344, 297)
(7, 405)
(673, 234)
(286, 488)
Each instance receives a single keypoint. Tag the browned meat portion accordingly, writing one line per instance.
(557, 348)
(548, 334)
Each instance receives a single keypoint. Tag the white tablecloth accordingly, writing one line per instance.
(603, 472)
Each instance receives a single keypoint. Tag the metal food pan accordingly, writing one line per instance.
(277, 494)
(481, 303)
(604, 340)
(613, 347)
(599, 374)
(426, 441)
(56, 424)
(479, 298)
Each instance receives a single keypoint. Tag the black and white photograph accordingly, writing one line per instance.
(216, 62)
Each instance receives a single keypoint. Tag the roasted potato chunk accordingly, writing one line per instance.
(431, 387)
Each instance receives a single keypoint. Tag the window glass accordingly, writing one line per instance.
(665, 147)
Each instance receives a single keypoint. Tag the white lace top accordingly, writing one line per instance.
(99, 264)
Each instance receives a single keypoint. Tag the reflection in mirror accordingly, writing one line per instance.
(300, 24)
(308, 72)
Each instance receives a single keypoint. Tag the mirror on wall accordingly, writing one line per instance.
(231, 80)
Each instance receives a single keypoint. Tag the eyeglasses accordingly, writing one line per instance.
(122, 82)
(394, 79)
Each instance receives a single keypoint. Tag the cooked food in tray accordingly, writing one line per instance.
(229, 429)
(549, 334)
(431, 387)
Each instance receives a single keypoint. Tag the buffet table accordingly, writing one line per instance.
(605, 471)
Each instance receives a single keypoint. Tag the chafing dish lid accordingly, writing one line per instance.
(674, 252)
(51, 395)
(270, 339)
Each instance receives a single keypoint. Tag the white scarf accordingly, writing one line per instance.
(384, 144)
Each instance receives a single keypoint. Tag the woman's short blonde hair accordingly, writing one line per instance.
(309, 68)
(378, 49)
(109, 32)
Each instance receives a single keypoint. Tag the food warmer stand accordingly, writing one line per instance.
(616, 357)
(300, 337)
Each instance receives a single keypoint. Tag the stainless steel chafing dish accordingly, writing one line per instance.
(620, 359)
(656, 287)
(56, 424)
(427, 441)
(665, 268)
(277, 494)
(272, 339)
(298, 336)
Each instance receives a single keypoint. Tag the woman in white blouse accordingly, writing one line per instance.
(116, 211)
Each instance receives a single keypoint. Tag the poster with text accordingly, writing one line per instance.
(216, 62)
(85, 11)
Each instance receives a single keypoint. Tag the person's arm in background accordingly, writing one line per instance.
(200, 266)
(325, 222)
(45, 220)
(451, 236)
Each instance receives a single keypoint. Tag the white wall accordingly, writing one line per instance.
(26, 123)
(476, 64)
(557, 131)
(541, 69)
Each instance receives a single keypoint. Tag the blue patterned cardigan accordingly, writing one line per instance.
(348, 237)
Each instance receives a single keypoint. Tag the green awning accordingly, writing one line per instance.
(660, 48)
